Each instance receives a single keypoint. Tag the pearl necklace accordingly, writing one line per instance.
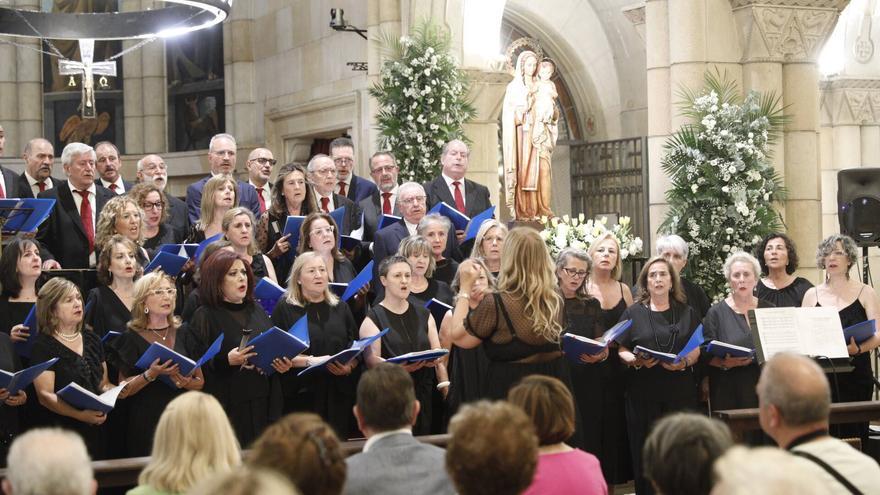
(163, 337)
(69, 337)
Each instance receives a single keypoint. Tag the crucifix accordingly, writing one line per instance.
(88, 68)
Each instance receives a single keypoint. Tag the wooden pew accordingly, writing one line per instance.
(743, 420)
(124, 472)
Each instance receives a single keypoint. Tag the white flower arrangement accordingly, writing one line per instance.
(422, 100)
(723, 184)
(580, 232)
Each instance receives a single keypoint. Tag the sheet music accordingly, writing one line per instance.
(808, 331)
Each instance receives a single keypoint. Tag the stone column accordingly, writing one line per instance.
(239, 74)
(659, 107)
(486, 92)
(383, 16)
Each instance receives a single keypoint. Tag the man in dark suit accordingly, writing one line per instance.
(108, 166)
(383, 170)
(347, 184)
(452, 188)
(322, 177)
(69, 232)
(392, 461)
(39, 158)
(152, 168)
(221, 157)
(9, 186)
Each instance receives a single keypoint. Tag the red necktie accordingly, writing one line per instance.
(261, 200)
(325, 205)
(459, 199)
(2, 192)
(386, 203)
(112, 187)
(342, 188)
(85, 216)
(42, 185)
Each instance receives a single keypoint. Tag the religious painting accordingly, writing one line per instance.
(196, 96)
(64, 125)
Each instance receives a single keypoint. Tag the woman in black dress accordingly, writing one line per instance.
(411, 329)
(291, 195)
(423, 285)
(330, 393)
(489, 244)
(614, 297)
(591, 374)
(520, 323)
(732, 380)
(121, 216)
(153, 321)
(238, 228)
(9, 412)
(112, 299)
(661, 321)
(435, 228)
(80, 360)
(675, 250)
(251, 399)
(855, 303)
(19, 272)
(154, 204)
(779, 260)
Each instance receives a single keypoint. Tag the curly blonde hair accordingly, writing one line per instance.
(527, 273)
(111, 211)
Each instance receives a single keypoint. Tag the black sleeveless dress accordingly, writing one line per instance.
(789, 296)
(409, 333)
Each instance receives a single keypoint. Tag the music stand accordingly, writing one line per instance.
(23, 215)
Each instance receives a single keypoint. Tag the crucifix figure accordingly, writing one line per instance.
(88, 68)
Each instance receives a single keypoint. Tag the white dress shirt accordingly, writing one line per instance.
(410, 227)
(265, 192)
(35, 184)
(449, 182)
(93, 202)
(347, 185)
(330, 205)
(120, 187)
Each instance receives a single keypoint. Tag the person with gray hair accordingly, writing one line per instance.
(855, 302)
(452, 188)
(49, 461)
(383, 201)
(152, 169)
(437, 229)
(732, 379)
(680, 451)
(675, 250)
(221, 158)
(68, 235)
(322, 176)
(794, 406)
(348, 184)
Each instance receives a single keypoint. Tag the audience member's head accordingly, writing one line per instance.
(193, 441)
(386, 400)
(246, 481)
(678, 455)
(306, 450)
(493, 449)
(793, 397)
(764, 471)
(49, 461)
(549, 404)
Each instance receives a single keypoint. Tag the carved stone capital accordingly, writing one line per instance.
(785, 30)
(850, 101)
(636, 15)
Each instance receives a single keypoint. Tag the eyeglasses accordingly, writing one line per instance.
(153, 206)
(262, 161)
(163, 292)
(384, 170)
(325, 171)
(575, 273)
(343, 161)
(414, 199)
(321, 230)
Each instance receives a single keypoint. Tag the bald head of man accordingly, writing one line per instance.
(793, 396)
(259, 165)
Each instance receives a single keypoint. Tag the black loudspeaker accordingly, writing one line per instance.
(858, 204)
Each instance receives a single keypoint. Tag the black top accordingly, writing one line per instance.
(166, 235)
(507, 334)
(583, 317)
(331, 328)
(86, 370)
(12, 313)
(146, 406)
(790, 296)
(107, 312)
(343, 271)
(445, 270)
(696, 297)
(610, 317)
(666, 331)
(8, 414)
(258, 266)
(436, 290)
(408, 331)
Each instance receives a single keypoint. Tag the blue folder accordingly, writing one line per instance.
(362, 279)
(112, 334)
(169, 263)
(459, 219)
(186, 365)
(204, 244)
(415, 357)
(861, 331)
(80, 398)
(34, 211)
(344, 357)
(189, 249)
(268, 293)
(338, 288)
(438, 310)
(723, 349)
(292, 226)
(575, 345)
(13, 382)
(695, 341)
(274, 343)
(387, 220)
(24, 348)
(477, 221)
(338, 216)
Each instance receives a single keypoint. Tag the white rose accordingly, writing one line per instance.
(561, 242)
(725, 189)
(624, 253)
(694, 188)
(578, 245)
(729, 230)
(545, 234)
